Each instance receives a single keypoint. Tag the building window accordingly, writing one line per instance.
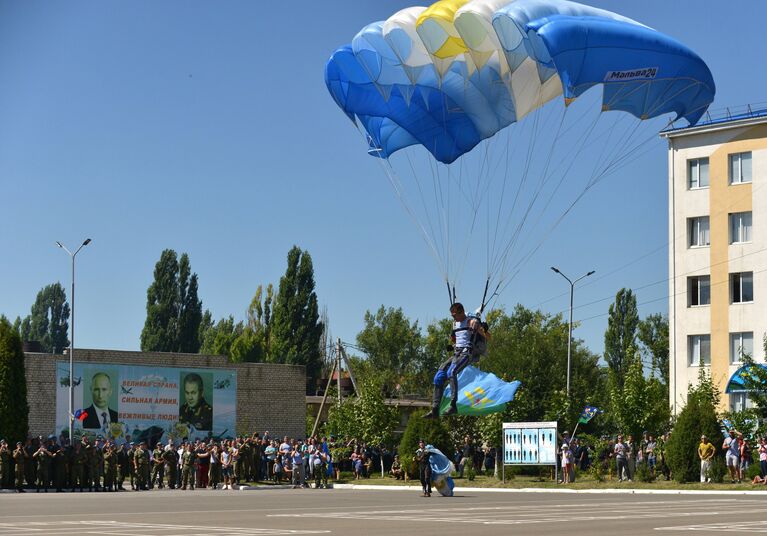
(741, 344)
(740, 401)
(699, 349)
(698, 231)
(740, 227)
(697, 173)
(742, 287)
(699, 290)
(740, 168)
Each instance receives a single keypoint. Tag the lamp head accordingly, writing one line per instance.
(591, 272)
(87, 241)
(554, 269)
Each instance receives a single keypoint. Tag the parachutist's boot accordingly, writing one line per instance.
(435, 401)
(453, 408)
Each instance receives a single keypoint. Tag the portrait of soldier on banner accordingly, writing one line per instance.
(196, 390)
(99, 387)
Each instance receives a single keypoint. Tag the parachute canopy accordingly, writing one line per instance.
(458, 72)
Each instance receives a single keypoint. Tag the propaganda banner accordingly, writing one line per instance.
(140, 403)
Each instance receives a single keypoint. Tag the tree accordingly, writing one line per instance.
(190, 311)
(432, 431)
(642, 404)
(621, 333)
(295, 326)
(365, 417)
(48, 322)
(14, 411)
(653, 334)
(697, 418)
(219, 337)
(392, 345)
(173, 309)
(531, 347)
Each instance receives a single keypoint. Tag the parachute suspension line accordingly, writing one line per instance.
(526, 170)
(450, 297)
(474, 195)
(484, 297)
(391, 175)
(572, 158)
(608, 169)
(502, 259)
(426, 210)
(516, 267)
(438, 215)
(492, 247)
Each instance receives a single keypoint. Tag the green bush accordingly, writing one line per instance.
(470, 473)
(718, 470)
(643, 473)
(697, 418)
(432, 431)
(751, 472)
(597, 471)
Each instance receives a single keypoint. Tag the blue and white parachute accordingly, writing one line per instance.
(453, 74)
(441, 469)
(449, 76)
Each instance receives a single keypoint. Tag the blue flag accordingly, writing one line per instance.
(588, 413)
(480, 393)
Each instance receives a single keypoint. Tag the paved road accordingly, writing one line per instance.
(362, 513)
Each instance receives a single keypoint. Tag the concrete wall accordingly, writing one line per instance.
(269, 397)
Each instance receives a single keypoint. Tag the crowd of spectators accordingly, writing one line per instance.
(100, 465)
(624, 456)
(105, 465)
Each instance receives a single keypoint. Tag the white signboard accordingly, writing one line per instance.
(530, 443)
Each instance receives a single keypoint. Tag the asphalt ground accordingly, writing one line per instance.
(372, 512)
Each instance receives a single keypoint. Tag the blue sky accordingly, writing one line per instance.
(207, 128)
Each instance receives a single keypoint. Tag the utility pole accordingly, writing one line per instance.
(570, 332)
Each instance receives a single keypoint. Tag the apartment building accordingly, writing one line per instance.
(717, 249)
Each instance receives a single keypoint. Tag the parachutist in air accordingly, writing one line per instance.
(469, 340)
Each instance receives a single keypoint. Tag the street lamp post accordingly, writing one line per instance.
(570, 333)
(72, 338)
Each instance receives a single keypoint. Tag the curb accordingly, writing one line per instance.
(568, 491)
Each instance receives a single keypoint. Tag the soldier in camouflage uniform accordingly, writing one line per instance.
(170, 457)
(132, 466)
(97, 464)
(19, 458)
(42, 456)
(60, 469)
(30, 468)
(141, 465)
(110, 467)
(158, 467)
(88, 453)
(5, 465)
(187, 467)
(77, 467)
(123, 466)
(245, 459)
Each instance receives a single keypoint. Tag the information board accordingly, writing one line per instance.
(530, 443)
